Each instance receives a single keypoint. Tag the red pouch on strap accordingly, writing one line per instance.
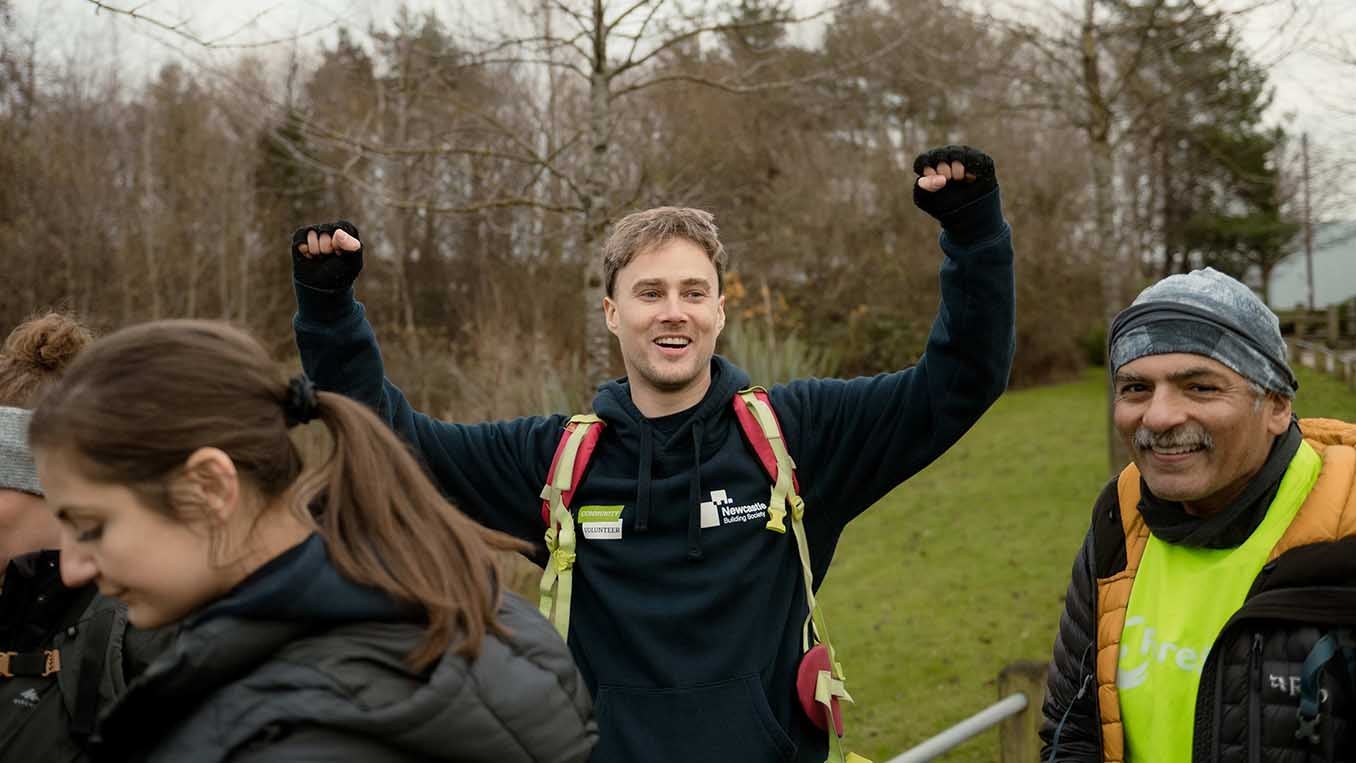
(807, 678)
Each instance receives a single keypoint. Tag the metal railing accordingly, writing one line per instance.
(980, 722)
(1021, 686)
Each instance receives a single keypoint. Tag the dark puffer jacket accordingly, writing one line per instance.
(1250, 688)
(299, 664)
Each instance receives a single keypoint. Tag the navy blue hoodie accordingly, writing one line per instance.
(687, 627)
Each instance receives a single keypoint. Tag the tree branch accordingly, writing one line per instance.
(609, 26)
(178, 28)
(1137, 56)
(734, 87)
(537, 61)
(635, 43)
(346, 174)
(543, 43)
(692, 32)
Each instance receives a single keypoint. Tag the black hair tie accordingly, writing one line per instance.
(301, 405)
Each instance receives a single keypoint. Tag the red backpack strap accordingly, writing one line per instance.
(760, 425)
(593, 430)
(755, 435)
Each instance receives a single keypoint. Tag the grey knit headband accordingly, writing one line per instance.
(17, 470)
(1205, 312)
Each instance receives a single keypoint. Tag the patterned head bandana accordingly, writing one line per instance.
(1205, 312)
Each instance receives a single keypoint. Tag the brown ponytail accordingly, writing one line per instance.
(390, 528)
(136, 404)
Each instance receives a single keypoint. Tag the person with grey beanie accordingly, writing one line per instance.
(65, 653)
(1215, 593)
(17, 471)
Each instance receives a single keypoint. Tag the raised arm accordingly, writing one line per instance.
(855, 440)
(493, 471)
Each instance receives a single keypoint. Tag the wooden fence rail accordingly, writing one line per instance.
(1334, 326)
(1338, 363)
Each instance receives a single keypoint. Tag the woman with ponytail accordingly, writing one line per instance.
(65, 653)
(338, 612)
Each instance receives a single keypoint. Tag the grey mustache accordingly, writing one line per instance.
(1177, 437)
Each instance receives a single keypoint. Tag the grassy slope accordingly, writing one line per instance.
(963, 569)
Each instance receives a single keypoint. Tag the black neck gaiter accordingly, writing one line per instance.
(1170, 522)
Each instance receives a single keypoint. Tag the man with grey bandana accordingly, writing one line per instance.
(1211, 609)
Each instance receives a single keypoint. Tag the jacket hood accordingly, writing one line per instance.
(303, 585)
(699, 431)
(613, 403)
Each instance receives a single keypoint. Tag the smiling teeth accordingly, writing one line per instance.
(672, 342)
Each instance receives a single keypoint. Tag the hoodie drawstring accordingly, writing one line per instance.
(694, 517)
(643, 480)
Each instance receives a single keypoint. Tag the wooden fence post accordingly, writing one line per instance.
(1017, 736)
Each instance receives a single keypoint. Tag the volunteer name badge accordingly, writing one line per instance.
(601, 522)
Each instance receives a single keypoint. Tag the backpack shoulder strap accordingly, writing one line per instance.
(567, 468)
(821, 685)
(764, 433)
(573, 453)
(105, 624)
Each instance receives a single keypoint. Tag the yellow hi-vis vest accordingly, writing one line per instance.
(1327, 514)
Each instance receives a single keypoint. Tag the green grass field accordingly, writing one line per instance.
(963, 569)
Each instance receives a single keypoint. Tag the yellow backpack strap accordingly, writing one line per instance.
(557, 577)
(760, 428)
(830, 683)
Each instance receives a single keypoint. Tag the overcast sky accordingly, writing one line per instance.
(1313, 93)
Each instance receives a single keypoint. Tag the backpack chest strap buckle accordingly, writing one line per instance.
(42, 664)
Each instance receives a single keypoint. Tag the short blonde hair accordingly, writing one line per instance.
(642, 231)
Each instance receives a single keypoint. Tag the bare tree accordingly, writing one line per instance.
(1089, 57)
(616, 50)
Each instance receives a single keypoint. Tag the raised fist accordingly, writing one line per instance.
(327, 256)
(949, 178)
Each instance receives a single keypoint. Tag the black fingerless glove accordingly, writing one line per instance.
(328, 272)
(947, 204)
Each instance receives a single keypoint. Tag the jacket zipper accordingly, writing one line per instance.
(1205, 735)
(1092, 569)
(1255, 700)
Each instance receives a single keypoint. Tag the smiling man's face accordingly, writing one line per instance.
(1196, 428)
(666, 312)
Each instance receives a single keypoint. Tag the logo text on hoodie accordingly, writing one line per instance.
(601, 522)
(720, 510)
